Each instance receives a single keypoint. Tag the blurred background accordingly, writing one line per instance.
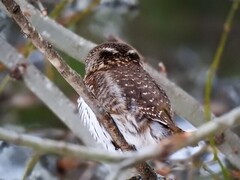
(184, 35)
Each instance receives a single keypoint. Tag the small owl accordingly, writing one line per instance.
(139, 107)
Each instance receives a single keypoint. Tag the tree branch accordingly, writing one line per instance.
(160, 152)
(43, 145)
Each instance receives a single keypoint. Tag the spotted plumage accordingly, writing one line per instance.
(139, 107)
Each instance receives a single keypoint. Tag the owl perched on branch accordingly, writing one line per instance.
(139, 107)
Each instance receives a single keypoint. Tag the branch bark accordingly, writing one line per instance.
(58, 147)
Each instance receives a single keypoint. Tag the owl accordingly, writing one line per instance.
(138, 105)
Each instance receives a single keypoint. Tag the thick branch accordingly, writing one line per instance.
(74, 80)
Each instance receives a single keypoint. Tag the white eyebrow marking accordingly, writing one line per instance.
(131, 51)
(114, 51)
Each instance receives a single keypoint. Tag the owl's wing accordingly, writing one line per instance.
(165, 113)
(166, 120)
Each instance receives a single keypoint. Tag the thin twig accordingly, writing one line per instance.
(31, 164)
(41, 7)
(211, 73)
(217, 57)
(4, 83)
(46, 146)
(59, 8)
(72, 21)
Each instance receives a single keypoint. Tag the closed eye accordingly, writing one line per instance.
(133, 55)
(105, 54)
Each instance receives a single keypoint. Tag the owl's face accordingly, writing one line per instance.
(111, 54)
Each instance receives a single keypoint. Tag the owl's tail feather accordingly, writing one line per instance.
(166, 120)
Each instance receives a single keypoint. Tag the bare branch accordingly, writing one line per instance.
(160, 152)
(31, 164)
(59, 147)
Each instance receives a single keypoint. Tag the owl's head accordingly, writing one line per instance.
(111, 54)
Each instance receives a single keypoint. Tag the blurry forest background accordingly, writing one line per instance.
(183, 35)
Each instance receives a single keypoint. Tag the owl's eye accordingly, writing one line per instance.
(133, 55)
(107, 53)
